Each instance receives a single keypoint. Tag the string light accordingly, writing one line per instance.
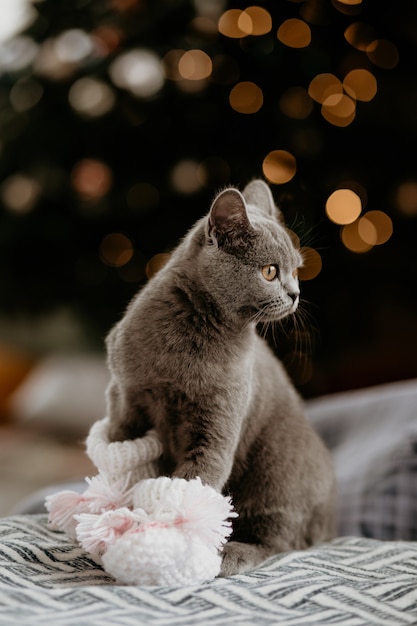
(261, 20)
(279, 166)
(375, 227)
(339, 109)
(246, 97)
(352, 239)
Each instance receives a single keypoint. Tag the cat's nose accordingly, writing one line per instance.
(293, 295)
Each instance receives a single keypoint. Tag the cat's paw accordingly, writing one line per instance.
(240, 557)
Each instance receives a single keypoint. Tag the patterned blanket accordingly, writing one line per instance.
(351, 581)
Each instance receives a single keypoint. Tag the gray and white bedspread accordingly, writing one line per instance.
(351, 581)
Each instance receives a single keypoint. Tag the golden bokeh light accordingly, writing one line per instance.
(324, 85)
(246, 97)
(360, 35)
(91, 179)
(339, 110)
(312, 264)
(296, 103)
(254, 20)
(294, 33)
(375, 227)
(195, 65)
(279, 167)
(156, 263)
(350, 2)
(116, 249)
(406, 198)
(343, 206)
(235, 23)
(170, 64)
(260, 18)
(383, 53)
(352, 239)
(360, 84)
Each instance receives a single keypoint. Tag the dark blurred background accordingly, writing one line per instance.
(120, 119)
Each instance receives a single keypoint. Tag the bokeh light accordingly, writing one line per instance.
(17, 54)
(360, 35)
(72, 46)
(339, 110)
(20, 193)
(116, 249)
(294, 33)
(312, 264)
(406, 198)
(91, 97)
(25, 94)
(383, 53)
(279, 166)
(375, 227)
(140, 71)
(296, 103)
(246, 97)
(234, 23)
(352, 239)
(343, 206)
(185, 177)
(260, 18)
(324, 85)
(360, 84)
(16, 15)
(156, 263)
(194, 65)
(91, 179)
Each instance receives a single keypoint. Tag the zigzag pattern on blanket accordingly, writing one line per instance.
(45, 578)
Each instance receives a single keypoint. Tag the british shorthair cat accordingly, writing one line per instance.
(187, 360)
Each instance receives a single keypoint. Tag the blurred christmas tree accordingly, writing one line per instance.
(119, 119)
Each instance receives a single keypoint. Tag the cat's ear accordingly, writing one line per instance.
(258, 194)
(228, 220)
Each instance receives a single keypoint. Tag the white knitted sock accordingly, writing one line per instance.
(136, 458)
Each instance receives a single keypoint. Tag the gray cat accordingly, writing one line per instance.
(186, 359)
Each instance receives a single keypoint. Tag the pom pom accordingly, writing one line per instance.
(103, 495)
(97, 532)
(62, 507)
(160, 556)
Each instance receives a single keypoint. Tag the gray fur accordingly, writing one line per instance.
(186, 359)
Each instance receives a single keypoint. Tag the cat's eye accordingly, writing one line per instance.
(269, 272)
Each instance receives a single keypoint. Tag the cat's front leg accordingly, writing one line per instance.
(239, 557)
(207, 451)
